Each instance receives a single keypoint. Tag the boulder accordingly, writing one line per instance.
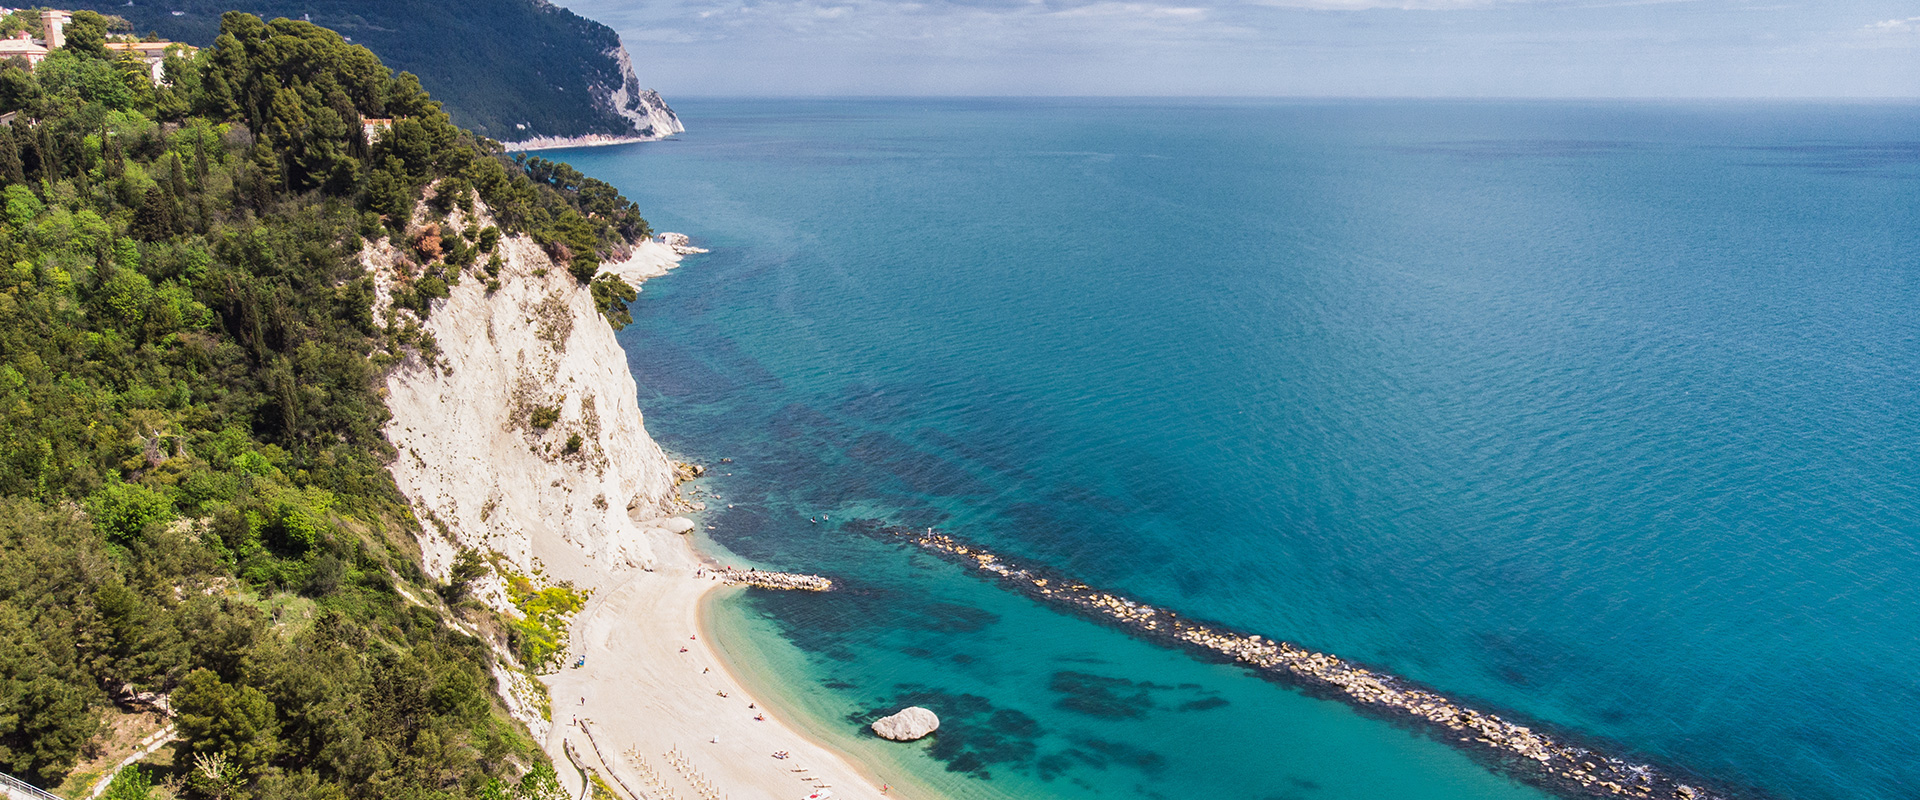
(911, 723)
(668, 524)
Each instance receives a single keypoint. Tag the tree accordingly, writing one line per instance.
(131, 783)
(123, 511)
(228, 720)
(153, 220)
(468, 567)
(18, 90)
(87, 34)
(612, 294)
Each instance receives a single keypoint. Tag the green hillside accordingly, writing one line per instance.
(194, 498)
(495, 64)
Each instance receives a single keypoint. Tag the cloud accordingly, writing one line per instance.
(1404, 5)
(1890, 33)
(1908, 25)
(1568, 48)
(1132, 10)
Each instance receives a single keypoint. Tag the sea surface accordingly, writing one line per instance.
(1601, 415)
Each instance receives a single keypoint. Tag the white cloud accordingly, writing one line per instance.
(1132, 10)
(1890, 33)
(1360, 5)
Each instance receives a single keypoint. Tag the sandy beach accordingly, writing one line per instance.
(652, 686)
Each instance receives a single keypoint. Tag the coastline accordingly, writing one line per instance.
(652, 683)
(762, 676)
(565, 142)
(638, 693)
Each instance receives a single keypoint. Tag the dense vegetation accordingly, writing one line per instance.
(193, 493)
(496, 64)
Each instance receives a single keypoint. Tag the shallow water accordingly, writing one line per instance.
(1600, 414)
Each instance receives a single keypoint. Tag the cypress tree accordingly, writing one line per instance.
(199, 161)
(50, 167)
(32, 161)
(176, 175)
(10, 168)
(153, 220)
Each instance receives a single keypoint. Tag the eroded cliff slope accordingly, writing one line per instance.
(524, 428)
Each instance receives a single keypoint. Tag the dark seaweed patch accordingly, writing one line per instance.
(1203, 704)
(1104, 754)
(922, 472)
(1128, 754)
(1100, 696)
(953, 618)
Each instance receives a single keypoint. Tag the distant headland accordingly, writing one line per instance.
(527, 73)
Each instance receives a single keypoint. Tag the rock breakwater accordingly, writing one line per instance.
(1549, 761)
(786, 581)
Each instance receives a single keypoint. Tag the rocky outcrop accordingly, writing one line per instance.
(912, 722)
(679, 243)
(643, 109)
(525, 425)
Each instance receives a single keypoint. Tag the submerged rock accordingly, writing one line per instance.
(911, 723)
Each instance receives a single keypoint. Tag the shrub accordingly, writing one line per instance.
(122, 511)
(545, 416)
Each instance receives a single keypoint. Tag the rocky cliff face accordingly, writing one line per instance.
(643, 107)
(643, 110)
(525, 429)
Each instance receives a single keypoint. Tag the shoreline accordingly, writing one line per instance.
(567, 142)
(656, 683)
(903, 783)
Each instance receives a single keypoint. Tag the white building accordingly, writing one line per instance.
(22, 45)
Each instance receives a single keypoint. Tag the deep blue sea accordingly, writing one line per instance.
(1604, 415)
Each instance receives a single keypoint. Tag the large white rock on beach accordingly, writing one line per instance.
(911, 723)
(668, 524)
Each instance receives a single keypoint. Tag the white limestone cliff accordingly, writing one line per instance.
(643, 109)
(472, 461)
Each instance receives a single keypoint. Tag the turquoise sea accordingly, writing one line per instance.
(1601, 415)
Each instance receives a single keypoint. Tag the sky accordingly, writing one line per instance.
(1271, 48)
